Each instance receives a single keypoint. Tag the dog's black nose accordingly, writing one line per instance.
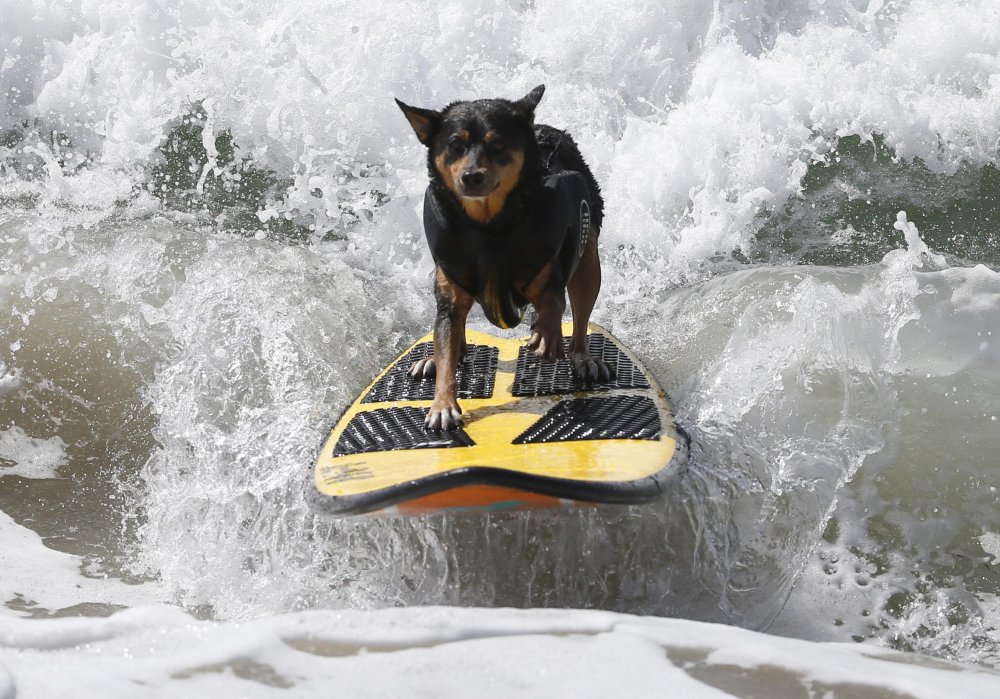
(473, 178)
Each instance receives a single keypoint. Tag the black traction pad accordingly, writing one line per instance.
(476, 375)
(389, 429)
(604, 417)
(534, 377)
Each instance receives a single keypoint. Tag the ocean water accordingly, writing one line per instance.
(210, 240)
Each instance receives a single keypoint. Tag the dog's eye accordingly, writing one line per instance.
(456, 144)
(497, 145)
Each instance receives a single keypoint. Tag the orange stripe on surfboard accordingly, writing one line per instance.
(478, 497)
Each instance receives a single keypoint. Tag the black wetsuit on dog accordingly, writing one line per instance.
(495, 267)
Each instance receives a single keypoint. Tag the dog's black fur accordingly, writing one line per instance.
(493, 175)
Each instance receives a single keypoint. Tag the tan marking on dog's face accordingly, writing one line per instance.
(451, 172)
(505, 177)
(490, 157)
(451, 169)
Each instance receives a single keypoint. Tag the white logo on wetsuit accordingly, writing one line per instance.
(584, 224)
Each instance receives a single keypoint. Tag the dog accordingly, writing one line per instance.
(511, 214)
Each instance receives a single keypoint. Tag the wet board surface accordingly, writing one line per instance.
(534, 436)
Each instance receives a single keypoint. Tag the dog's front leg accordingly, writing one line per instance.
(453, 305)
(549, 300)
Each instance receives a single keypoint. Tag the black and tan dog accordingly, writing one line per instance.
(512, 215)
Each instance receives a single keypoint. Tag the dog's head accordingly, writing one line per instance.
(477, 149)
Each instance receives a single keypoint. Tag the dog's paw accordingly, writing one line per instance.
(423, 368)
(547, 344)
(443, 415)
(591, 370)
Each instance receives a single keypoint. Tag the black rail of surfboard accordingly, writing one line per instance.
(608, 492)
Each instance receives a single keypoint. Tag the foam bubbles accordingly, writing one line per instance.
(443, 652)
(732, 101)
(21, 455)
(40, 580)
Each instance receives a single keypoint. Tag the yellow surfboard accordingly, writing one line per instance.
(534, 436)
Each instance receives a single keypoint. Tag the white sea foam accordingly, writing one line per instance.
(21, 455)
(451, 653)
(734, 100)
(36, 578)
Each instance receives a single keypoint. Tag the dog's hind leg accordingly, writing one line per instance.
(583, 288)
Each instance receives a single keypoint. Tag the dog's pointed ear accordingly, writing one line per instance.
(425, 122)
(527, 104)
